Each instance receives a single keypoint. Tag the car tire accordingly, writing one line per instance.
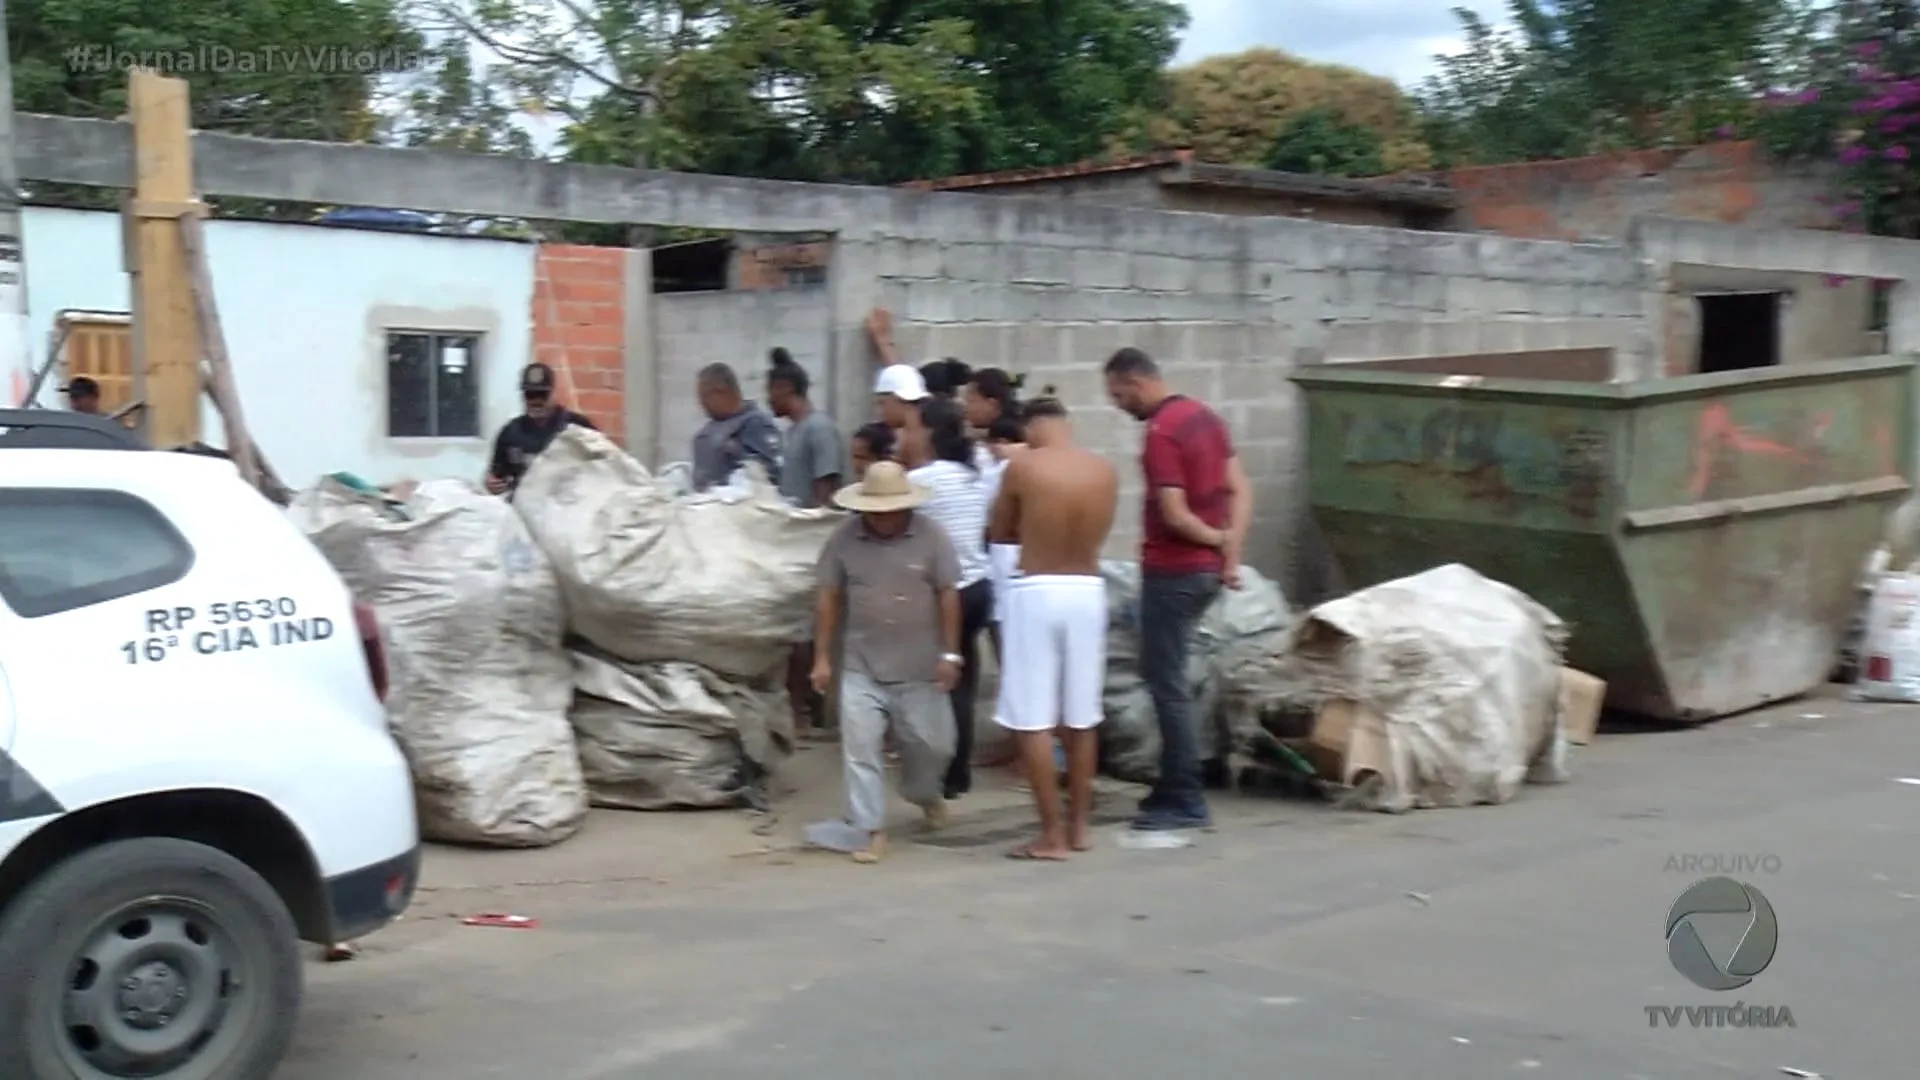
(103, 953)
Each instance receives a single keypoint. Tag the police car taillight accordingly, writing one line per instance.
(369, 627)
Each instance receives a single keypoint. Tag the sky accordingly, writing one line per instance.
(1395, 38)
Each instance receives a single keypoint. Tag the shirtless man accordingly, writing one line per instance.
(1057, 502)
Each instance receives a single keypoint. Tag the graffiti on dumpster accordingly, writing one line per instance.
(1716, 433)
(1497, 458)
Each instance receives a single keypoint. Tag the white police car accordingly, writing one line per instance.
(195, 767)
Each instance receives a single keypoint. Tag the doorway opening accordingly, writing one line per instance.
(1738, 331)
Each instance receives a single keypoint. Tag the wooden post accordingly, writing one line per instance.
(166, 335)
(219, 375)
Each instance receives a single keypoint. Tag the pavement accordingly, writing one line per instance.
(1293, 940)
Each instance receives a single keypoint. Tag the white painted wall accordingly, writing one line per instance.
(305, 309)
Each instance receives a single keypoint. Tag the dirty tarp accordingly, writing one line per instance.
(1234, 669)
(1463, 671)
(472, 621)
(651, 577)
(673, 735)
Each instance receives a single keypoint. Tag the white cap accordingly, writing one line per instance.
(902, 381)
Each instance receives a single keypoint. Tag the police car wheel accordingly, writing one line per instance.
(154, 958)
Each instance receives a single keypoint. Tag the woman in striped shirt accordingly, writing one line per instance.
(941, 459)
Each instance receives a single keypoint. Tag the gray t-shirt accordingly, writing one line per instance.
(813, 452)
(724, 445)
(891, 587)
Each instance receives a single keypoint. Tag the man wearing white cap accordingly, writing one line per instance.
(894, 572)
(898, 393)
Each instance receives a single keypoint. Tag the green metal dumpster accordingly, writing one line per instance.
(1702, 536)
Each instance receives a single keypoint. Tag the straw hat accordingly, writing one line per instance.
(884, 490)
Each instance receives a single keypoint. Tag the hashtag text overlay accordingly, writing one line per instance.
(259, 59)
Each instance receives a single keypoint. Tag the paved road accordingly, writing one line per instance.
(1295, 941)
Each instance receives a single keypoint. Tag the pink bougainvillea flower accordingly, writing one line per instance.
(1896, 153)
(1853, 154)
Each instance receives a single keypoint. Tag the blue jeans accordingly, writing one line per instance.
(1170, 609)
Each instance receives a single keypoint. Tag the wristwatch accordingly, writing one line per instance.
(953, 658)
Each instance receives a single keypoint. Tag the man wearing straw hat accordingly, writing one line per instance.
(894, 574)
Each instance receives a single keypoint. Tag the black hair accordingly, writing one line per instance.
(1132, 362)
(1007, 429)
(947, 431)
(944, 377)
(879, 439)
(720, 375)
(788, 373)
(778, 356)
(1044, 407)
(939, 381)
(995, 385)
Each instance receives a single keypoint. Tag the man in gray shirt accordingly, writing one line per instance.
(736, 431)
(815, 458)
(887, 581)
(810, 472)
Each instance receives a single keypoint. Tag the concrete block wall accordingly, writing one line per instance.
(1390, 340)
(950, 260)
(1230, 307)
(1823, 317)
(692, 330)
(579, 328)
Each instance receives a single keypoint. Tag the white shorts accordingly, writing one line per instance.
(1054, 641)
(1003, 565)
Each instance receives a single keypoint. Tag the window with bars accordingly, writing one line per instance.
(433, 384)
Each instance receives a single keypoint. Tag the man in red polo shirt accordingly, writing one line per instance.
(1193, 530)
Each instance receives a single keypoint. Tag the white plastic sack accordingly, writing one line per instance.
(1129, 732)
(1890, 653)
(1464, 672)
(1244, 639)
(1846, 668)
(1902, 536)
(1234, 670)
(472, 620)
(676, 477)
(673, 735)
(649, 577)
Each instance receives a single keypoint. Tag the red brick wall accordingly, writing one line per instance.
(1595, 198)
(579, 327)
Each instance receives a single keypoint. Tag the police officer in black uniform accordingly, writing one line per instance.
(522, 438)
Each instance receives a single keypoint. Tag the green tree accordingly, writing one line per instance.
(851, 90)
(275, 68)
(254, 67)
(1585, 76)
(1318, 141)
(1859, 111)
(1055, 80)
(723, 85)
(1498, 100)
(456, 105)
(1231, 109)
